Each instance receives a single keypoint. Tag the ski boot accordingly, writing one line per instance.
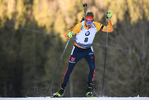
(89, 90)
(60, 93)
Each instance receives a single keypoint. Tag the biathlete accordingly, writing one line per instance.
(85, 33)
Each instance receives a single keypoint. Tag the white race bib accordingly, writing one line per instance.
(85, 37)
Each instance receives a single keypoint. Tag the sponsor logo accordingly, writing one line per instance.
(87, 33)
(90, 53)
(72, 62)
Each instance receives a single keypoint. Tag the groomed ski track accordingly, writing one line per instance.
(78, 98)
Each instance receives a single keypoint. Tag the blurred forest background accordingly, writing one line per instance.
(32, 41)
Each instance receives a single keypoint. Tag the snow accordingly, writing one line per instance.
(78, 98)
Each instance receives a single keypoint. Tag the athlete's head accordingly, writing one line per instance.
(89, 18)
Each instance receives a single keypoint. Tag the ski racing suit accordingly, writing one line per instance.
(83, 47)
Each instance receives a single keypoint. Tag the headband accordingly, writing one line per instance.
(89, 18)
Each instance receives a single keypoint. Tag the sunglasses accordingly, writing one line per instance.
(89, 22)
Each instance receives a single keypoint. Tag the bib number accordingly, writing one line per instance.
(86, 39)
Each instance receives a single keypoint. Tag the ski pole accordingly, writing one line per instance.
(57, 67)
(105, 59)
(85, 8)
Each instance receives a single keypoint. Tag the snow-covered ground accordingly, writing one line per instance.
(78, 98)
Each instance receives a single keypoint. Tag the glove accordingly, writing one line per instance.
(70, 34)
(109, 15)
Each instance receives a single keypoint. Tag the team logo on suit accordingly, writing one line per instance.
(87, 33)
(72, 60)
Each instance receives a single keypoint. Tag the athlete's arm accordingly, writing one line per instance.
(75, 29)
(110, 27)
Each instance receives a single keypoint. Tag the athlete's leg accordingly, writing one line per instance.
(90, 58)
(74, 58)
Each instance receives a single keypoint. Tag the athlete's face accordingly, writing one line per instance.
(89, 24)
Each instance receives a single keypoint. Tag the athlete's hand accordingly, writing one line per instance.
(70, 34)
(109, 15)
